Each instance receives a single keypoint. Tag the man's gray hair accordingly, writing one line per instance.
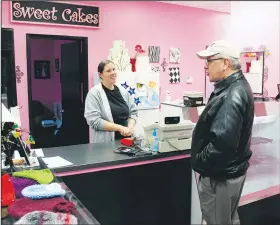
(235, 63)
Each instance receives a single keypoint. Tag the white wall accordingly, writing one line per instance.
(255, 24)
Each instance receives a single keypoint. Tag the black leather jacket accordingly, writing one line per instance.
(222, 136)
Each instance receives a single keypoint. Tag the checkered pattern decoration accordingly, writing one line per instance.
(174, 74)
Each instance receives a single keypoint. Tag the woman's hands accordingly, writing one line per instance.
(125, 131)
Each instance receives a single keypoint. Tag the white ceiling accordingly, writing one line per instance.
(220, 6)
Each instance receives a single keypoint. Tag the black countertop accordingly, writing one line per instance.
(86, 156)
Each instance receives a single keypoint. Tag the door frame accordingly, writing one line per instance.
(12, 82)
(84, 46)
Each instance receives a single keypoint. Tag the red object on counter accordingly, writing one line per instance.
(127, 141)
(8, 191)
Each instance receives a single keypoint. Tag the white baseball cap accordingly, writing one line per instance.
(220, 47)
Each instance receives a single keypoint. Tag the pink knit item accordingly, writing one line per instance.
(24, 205)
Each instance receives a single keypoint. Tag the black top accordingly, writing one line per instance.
(119, 108)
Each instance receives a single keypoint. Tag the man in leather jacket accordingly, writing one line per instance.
(222, 136)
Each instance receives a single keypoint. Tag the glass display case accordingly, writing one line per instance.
(82, 214)
(263, 176)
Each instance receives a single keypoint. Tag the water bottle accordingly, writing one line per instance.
(155, 142)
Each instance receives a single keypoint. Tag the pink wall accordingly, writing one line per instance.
(218, 6)
(146, 23)
(47, 91)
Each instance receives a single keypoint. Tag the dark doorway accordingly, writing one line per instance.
(8, 77)
(57, 69)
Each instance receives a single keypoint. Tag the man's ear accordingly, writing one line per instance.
(227, 64)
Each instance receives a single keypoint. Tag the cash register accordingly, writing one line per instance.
(173, 134)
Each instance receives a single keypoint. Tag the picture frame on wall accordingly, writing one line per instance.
(174, 55)
(56, 63)
(278, 95)
(41, 69)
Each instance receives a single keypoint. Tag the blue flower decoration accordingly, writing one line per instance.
(137, 101)
(131, 91)
(125, 85)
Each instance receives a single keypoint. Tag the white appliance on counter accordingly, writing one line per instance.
(188, 108)
(193, 98)
(172, 137)
(177, 108)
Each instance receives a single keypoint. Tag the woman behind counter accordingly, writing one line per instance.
(109, 109)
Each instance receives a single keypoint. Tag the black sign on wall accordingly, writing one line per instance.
(44, 12)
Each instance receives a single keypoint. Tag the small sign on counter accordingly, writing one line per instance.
(56, 162)
(38, 152)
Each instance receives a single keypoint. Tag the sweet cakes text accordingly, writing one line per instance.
(55, 13)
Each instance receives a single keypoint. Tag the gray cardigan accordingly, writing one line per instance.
(97, 111)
